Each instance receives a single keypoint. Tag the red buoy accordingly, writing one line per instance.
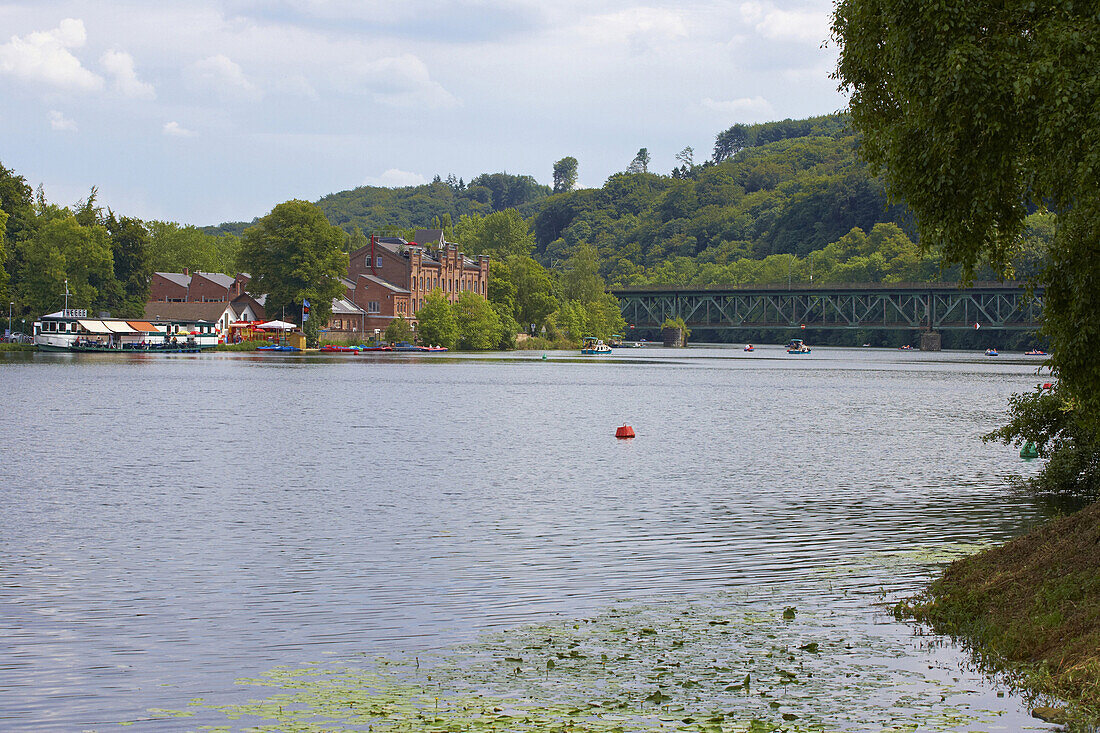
(624, 432)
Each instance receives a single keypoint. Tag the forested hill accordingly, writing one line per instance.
(388, 210)
(774, 201)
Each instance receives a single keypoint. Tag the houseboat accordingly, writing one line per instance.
(73, 330)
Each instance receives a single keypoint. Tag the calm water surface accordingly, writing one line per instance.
(170, 524)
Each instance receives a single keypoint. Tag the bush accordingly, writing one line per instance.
(398, 330)
(1062, 435)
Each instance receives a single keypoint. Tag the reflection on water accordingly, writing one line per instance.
(173, 523)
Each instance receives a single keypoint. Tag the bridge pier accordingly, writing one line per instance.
(930, 341)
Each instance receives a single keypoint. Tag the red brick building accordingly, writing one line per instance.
(197, 287)
(418, 267)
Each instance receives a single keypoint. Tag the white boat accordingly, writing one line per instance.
(73, 330)
(797, 346)
(593, 345)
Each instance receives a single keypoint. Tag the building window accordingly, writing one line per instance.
(338, 325)
(372, 307)
(378, 261)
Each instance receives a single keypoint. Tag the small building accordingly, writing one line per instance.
(347, 320)
(169, 287)
(218, 313)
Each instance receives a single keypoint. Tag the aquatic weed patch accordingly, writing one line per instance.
(722, 665)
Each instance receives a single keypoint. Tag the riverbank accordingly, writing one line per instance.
(1030, 607)
(17, 347)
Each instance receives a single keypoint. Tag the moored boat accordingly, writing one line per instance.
(72, 330)
(592, 345)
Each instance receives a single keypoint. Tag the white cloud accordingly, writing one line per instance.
(637, 21)
(223, 75)
(401, 81)
(794, 25)
(43, 57)
(174, 129)
(120, 65)
(394, 178)
(59, 121)
(745, 109)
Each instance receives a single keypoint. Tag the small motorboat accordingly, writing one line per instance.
(593, 345)
(905, 347)
(1036, 352)
(991, 352)
(381, 347)
(797, 346)
(749, 347)
(335, 349)
(277, 347)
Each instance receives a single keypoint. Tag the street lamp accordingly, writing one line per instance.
(10, 306)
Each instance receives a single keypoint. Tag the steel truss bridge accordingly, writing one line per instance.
(915, 306)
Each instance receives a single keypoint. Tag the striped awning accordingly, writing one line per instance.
(145, 327)
(94, 327)
(119, 327)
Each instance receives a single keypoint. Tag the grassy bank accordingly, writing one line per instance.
(17, 347)
(243, 346)
(1030, 607)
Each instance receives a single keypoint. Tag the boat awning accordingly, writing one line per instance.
(118, 327)
(94, 326)
(145, 327)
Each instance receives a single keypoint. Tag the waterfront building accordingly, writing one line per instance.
(418, 267)
(220, 313)
(197, 287)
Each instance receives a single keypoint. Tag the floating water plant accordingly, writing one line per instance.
(724, 664)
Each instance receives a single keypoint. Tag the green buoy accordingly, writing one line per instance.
(1029, 451)
(544, 357)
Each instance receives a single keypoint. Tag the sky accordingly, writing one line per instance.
(204, 111)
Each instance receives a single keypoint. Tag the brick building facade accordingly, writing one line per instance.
(420, 266)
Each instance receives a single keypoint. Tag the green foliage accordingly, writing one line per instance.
(565, 174)
(436, 324)
(1054, 423)
(175, 247)
(977, 116)
(294, 254)
(479, 326)
(398, 330)
(132, 264)
(500, 234)
(64, 249)
(3, 256)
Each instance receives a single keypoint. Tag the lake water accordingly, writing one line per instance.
(173, 523)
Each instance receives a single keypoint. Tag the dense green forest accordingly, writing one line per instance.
(788, 201)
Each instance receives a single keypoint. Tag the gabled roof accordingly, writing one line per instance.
(383, 283)
(347, 283)
(218, 278)
(177, 277)
(429, 237)
(344, 307)
(161, 311)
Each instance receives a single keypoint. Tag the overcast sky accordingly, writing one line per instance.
(203, 111)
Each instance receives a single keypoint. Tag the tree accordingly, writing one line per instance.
(436, 319)
(582, 281)
(62, 250)
(294, 254)
(478, 324)
(132, 263)
(500, 234)
(977, 112)
(565, 174)
(686, 157)
(3, 257)
(397, 331)
(640, 164)
(730, 142)
(174, 247)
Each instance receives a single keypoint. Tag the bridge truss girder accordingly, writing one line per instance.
(872, 309)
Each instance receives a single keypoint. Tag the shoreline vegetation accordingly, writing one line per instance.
(1029, 609)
